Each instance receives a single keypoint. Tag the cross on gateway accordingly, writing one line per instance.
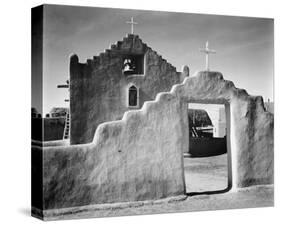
(207, 51)
(132, 22)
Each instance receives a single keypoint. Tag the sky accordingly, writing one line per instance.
(244, 45)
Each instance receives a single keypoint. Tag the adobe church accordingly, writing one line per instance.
(128, 117)
(120, 79)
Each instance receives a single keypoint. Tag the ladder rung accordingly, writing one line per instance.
(66, 126)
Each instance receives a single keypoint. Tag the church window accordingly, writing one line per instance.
(133, 97)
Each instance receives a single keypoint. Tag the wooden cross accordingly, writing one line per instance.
(207, 51)
(132, 22)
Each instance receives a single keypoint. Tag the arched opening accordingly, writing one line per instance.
(133, 64)
(133, 96)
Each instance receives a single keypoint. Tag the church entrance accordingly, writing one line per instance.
(207, 156)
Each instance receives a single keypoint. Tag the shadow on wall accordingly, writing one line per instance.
(204, 147)
(210, 192)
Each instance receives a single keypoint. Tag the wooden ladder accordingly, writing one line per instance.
(66, 130)
(192, 127)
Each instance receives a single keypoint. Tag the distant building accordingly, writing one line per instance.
(200, 124)
(58, 112)
(220, 124)
(216, 114)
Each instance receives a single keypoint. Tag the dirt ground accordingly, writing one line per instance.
(201, 174)
(206, 173)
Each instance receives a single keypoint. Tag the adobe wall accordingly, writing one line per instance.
(52, 128)
(251, 134)
(205, 147)
(136, 158)
(98, 88)
(140, 157)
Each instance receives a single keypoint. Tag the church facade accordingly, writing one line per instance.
(120, 79)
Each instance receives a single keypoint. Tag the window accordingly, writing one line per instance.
(133, 97)
(133, 64)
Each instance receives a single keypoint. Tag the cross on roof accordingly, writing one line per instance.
(132, 22)
(207, 51)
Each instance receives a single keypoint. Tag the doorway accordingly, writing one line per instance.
(206, 159)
